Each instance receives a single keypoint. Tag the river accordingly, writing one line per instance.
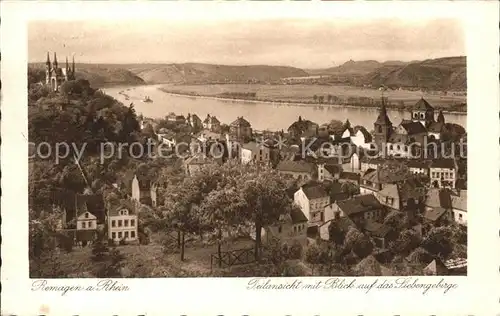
(260, 114)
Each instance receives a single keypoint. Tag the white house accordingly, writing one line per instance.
(459, 207)
(418, 167)
(255, 152)
(361, 137)
(442, 173)
(86, 221)
(312, 199)
(122, 224)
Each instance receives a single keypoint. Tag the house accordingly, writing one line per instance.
(178, 119)
(211, 123)
(195, 163)
(436, 267)
(241, 129)
(168, 140)
(380, 234)
(194, 121)
(291, 228)
(359, 209)
(459, 207)
(443, 173)
(252, 151)
(86, 220)
(420, 167)
(312, 199)
(351, 163)
(370, 163)
(437, 207)
(347, 130)
(409, 132)
(402, 195)
(208, 135)
(375, 180)
(328, 172)
(76, 208)
(343, 223)
(302, 128)
(122, 224)
(300, 170)
(361, 138)
(351, 177)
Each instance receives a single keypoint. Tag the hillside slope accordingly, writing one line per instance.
(101, 75)
(441, 73)
(195, 73)
(436, 74)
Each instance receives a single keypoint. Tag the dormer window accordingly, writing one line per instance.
(86, 215)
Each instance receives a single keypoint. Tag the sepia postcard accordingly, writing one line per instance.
(250, 158)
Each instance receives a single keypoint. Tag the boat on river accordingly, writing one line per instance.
(147, 99)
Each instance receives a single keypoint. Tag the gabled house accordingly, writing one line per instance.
(380, 234)
(122, 224)
(301, 170)
(402, 195)
(359, 209)
(80, 209)
(195, 163)
(291, 228)
(419, 166)
(194, 121)
(241, 129)
(302, 127)
(312, 199)
(443, 173)
(254, 152)
(459, 207)
(212, 123)
(328, 172)
(361, 138)
(437, 207)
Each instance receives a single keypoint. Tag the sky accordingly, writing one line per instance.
(299, 43)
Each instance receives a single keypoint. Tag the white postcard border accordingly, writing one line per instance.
(477, 294)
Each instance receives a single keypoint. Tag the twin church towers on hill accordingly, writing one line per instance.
(55, 76)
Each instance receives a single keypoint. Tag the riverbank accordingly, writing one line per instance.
(396, 107)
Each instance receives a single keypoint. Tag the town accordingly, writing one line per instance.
(320, 198)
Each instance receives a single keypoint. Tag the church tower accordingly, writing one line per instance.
(48, 68)
(382, 127)
(423, 112)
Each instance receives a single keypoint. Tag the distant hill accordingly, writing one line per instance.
(102, 75)
(195, 73)
(437, 74)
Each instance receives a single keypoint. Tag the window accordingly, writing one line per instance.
(460, 217)
(322, 216)
(279, 229)
(422, 115)
(83, 225)
(86, 215)
(126, 234)
(90, 224)
(119, 235)
(113, 223)
(125, 223)
(294, 229)
(113, 235)
(132, 234)
(119, 223)
(132, 222)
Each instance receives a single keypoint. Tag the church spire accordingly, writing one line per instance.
(55, 60)
(73, 66)
(67, 64)
(48, 60)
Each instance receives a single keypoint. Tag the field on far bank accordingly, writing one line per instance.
(305, 93)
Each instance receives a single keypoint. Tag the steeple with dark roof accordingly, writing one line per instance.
(382, 127)
(55, 60)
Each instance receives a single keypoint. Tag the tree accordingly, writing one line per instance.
(321, 99)
(407, 241)
(315, 98)
(337, 235)
(330, 97)
(438, 242)
(100, 250)
(220, 212)
(112, 267)
(265, 200)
